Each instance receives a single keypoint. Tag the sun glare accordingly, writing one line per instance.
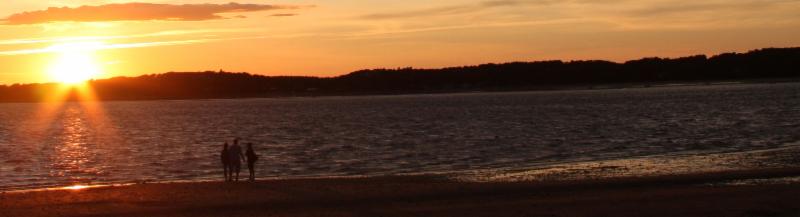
(75, 62)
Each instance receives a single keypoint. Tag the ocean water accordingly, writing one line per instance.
(47, 144)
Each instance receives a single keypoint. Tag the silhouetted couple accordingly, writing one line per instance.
(232, 160)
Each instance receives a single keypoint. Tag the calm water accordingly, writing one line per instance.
(57, 145)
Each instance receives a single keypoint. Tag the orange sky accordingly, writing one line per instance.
(333, 37)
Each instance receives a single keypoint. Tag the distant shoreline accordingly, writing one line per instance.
(614, 86)
(762, 65)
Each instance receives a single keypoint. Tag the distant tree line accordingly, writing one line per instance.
(769, 63)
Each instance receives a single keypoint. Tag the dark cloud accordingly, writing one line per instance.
(137, 11)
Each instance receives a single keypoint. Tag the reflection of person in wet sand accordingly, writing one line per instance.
(251, 161)
(235, 159)
(225, 158)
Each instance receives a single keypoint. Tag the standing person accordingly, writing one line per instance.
(251, 161)
(236, 156)
(225, 158)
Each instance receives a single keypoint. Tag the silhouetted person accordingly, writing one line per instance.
(236, 157)
(251, 161)
(225, 158)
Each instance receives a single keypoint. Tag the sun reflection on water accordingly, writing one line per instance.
(72, 156)
(76, 187)
(71, 132)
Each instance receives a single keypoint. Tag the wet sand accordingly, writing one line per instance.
(703, 194)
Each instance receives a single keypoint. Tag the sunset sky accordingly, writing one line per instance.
(334, 37)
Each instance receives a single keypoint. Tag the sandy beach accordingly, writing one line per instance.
(706, 194)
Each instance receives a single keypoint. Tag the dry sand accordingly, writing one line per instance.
(674, 195)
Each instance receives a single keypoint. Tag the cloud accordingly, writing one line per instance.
(283, 15)
(137, 11)
(23, 41)
(709, 6)
(706, 15)
(611, 15)
(101, 46)
(95, 43)
(393, 33)
(454, 9)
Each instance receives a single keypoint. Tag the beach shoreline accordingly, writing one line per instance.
(674, 164)
(698, 194)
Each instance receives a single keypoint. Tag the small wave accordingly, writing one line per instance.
(16, 161)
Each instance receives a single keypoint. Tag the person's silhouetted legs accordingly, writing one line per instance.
(237, 173)
(225, 158)
(236, 156)
(251, 161)
(252, 172)
(230, 172)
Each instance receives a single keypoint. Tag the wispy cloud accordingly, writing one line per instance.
(453, 9)
(283, 15)
(707, 6)
(96, 43)
(101, 46)
(138, 11)
(707, 14)
(395, 32)
(611, 14)
(22, 41)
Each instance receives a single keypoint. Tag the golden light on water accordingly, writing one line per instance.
(75, 63)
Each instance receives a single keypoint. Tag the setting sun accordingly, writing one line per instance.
(75, 62)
